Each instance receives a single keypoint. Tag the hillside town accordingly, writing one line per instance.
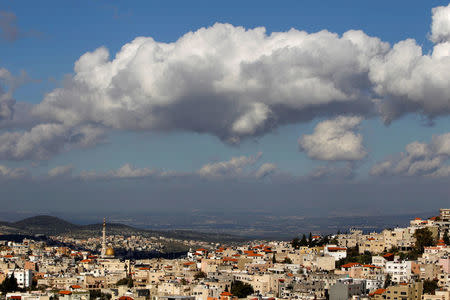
(410, 263)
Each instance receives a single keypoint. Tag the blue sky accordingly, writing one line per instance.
(53, 35)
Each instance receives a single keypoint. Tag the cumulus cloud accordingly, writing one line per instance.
(335, 140)
(227, 81)
(45, 140)
(419, 159)
(13, 173)
(234, 167)
(124, 172)
(265, 170)
(440, 26)
(61, 171)
(332, 171)
(14, 114)
(235, 83)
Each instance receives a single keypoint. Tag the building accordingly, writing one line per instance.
(405, 291)
(24, 277)
(400, 271)
(346, 288)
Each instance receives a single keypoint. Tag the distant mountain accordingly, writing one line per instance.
(50, 225)
(45, 225)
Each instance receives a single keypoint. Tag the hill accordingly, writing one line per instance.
(47, 225)
(50, 225)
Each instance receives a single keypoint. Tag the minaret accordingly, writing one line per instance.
(104, 238)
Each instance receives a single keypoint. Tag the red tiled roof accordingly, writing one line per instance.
(75, 286)
(65, 292)
(378, 292)
(226, 294)
(350, 265)
(336, 249)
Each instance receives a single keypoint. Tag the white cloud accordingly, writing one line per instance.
(265, 170)
(335, 140)
(332, 171)
(61, 171)
(45, 140)
(242, 167)
(419, 159)
(440, 25)
(13, 173)
(223, 80)
(234, 167)
(235, 83)
(128, 171)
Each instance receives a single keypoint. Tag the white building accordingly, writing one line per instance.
(24, 277)
(336, 252)
(400, 271)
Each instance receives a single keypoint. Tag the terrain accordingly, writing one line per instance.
(50, 225)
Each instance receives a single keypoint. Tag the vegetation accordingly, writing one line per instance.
(199, 274)
(353, 256)
(9, 285)
(240, 289)
(97, 294)
(429, 286)
(446, 238)
(128, 281)
(387, 280)
(424, 238)
(297, 242)
(287, 260)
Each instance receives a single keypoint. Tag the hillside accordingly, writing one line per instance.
(49, 225)
(45, 225)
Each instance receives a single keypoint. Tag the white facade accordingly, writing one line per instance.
(336, 252)
(400, 271)
(24, 277)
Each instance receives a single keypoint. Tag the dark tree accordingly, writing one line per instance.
(295, 243)
(446, 238)
(9, 284)
(199, 274)
(287, 260)
(424, 238)
(128, 281)
(240, 289)
(387, 281)
(303, 241)
(429, 286)
(97, 294)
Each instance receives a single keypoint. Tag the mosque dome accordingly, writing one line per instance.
(109, 252)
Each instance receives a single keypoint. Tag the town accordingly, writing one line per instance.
(394, 264)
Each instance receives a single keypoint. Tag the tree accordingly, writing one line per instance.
(97, 294)
(287, 260)
(310, 240)
(446, 238)
(295, 243)
(303, 241)
(274, 259)
(240, 289)
(128, 281)
(424, 238)
(199, 274)
(9, 285)
(387, 280)
(429, 286)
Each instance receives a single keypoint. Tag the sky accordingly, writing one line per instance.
(284, 107)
